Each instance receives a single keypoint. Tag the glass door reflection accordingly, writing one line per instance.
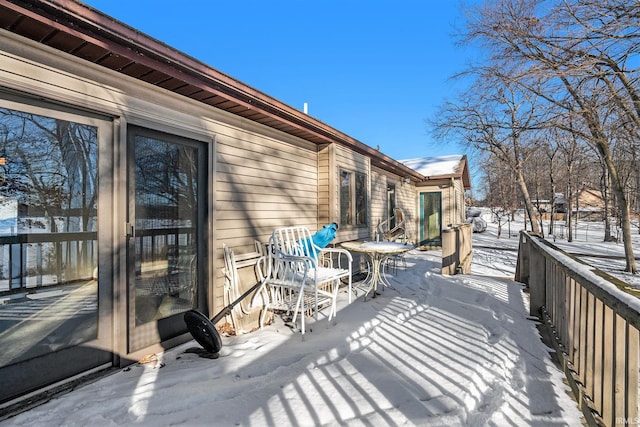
(166, 224)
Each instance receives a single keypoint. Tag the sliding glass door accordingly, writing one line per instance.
(166, 246)
(55, 285)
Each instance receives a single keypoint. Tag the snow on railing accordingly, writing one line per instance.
(594, 321)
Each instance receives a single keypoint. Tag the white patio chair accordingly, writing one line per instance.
(300, 277)
(396, 232)
(232, 286)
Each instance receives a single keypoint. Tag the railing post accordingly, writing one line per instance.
(449, 251)
(522, 264)
(537, 280)
(58, 252)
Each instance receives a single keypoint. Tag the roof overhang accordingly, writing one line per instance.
(461, 174)
(77, 29)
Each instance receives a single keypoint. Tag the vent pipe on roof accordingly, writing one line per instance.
(306, 108)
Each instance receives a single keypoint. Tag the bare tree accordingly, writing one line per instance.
(537, 173)
(501, 192)
(498, 119)
(551, 153)
(574, 54)
(573, 154)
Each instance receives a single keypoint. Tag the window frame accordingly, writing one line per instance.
(357, 199)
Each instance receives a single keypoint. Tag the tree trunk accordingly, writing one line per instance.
(605, 197)
(577, 217)
(622, 205)
(601, 142)
(569, 200)
(535, 229)
(625, 213)
(553, 204)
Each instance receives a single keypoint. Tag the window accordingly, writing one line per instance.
(391, 204)
(353, 199)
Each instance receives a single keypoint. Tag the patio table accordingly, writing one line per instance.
(378, 252)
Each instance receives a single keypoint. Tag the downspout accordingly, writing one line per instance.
(455, 202)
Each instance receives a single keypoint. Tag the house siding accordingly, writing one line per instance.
(379, 181)
(325, 161)
(460, 206)
(261, 183)
(259, 178)
(406, 199)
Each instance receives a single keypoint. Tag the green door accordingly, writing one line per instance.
(430, 218)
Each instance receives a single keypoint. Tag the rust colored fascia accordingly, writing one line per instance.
(86, 23)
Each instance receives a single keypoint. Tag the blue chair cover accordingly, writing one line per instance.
(321, 239)
(325, 235)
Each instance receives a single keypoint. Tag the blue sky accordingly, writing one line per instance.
(373, 69)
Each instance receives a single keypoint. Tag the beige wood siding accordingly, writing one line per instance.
(461, 213)
(262, 184)
(406, 199)
(449, 201)
(453, 200)
(325, 214)
(259, 178)
(378, 199)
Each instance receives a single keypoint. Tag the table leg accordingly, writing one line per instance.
(364, 284)
(376, 274)
(383, 278)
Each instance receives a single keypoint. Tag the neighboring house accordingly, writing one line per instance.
(589, 204)
(127, 165)
(440, 196)
(544, 206)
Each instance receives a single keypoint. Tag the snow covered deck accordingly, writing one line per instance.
(438, 350)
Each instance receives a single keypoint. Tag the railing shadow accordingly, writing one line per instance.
(438, 350)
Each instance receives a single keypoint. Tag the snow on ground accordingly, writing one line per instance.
(435, 351)
(588, 244)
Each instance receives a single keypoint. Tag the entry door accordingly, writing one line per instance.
(55, 251)
(431, 218)
(166, 246)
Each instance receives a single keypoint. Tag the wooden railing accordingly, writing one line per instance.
(594, 321)
(457, 249)
(36, 260)
(163, 244)
(44, 259)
